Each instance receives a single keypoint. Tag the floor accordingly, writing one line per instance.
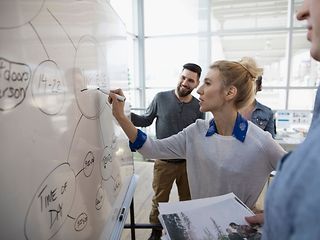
(143, 196)
(142, 199)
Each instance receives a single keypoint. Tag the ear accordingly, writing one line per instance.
(231, 92)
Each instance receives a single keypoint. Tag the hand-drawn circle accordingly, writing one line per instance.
(56, 192)
(88, 164)
(89, 65)
(14, 83)
(106, 163)
(117, 183)
(48, 87)
(99, 198)
(15, 14)
(81, 222)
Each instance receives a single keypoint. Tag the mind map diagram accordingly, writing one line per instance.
(78, 192)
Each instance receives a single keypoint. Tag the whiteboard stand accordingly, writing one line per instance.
(117, 231)
(133, 225)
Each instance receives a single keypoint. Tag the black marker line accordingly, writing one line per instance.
(71, 217)
(25, 23)
(42, 191)
(43, 110)
(85, 89)
(79, 172)
(62, 28)
(34, 29)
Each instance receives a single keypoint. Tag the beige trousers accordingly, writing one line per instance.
(164, 175)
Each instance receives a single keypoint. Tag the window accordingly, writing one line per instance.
(248, 14)
(165, 58)
(202, 31)
(171, 17)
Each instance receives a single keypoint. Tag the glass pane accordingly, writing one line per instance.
(150, 130)
(124, 9)
(248, 14)
(133, 71)
(133, 97)
(171, 16)
(269, 50)
(301, 99)
(165, 57)
(273, 98)
(305, 71)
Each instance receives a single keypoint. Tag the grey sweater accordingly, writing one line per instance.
(171, 115)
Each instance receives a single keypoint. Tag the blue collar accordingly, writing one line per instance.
(239, 130)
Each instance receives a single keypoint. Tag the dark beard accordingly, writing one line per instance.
(183, 93)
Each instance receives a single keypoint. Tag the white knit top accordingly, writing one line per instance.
(219, 164)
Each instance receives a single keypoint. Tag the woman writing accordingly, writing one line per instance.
(224, 154)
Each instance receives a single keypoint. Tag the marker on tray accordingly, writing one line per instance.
(122, 214)
(107, 92)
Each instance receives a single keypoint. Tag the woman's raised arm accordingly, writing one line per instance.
(118, 112)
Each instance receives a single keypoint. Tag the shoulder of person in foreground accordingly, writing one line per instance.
(293, 197)
(305, 194)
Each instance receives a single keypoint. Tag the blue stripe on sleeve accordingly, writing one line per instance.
(138, 143)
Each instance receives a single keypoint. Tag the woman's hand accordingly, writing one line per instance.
(117, 105)
(118, 112)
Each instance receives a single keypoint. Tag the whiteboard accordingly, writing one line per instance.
(66, 168)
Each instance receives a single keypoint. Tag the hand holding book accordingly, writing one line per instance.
(220, 218)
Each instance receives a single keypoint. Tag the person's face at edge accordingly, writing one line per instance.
(188, 81)
(310, 11)
(211, 92)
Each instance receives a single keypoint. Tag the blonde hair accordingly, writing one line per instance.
(242, 75)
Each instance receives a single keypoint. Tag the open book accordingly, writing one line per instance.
(215, 218)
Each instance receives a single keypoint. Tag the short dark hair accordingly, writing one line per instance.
(193, 67)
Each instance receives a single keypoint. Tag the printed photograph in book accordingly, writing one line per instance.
(220, 221)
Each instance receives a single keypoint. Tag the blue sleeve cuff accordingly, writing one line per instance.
(138, 143)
